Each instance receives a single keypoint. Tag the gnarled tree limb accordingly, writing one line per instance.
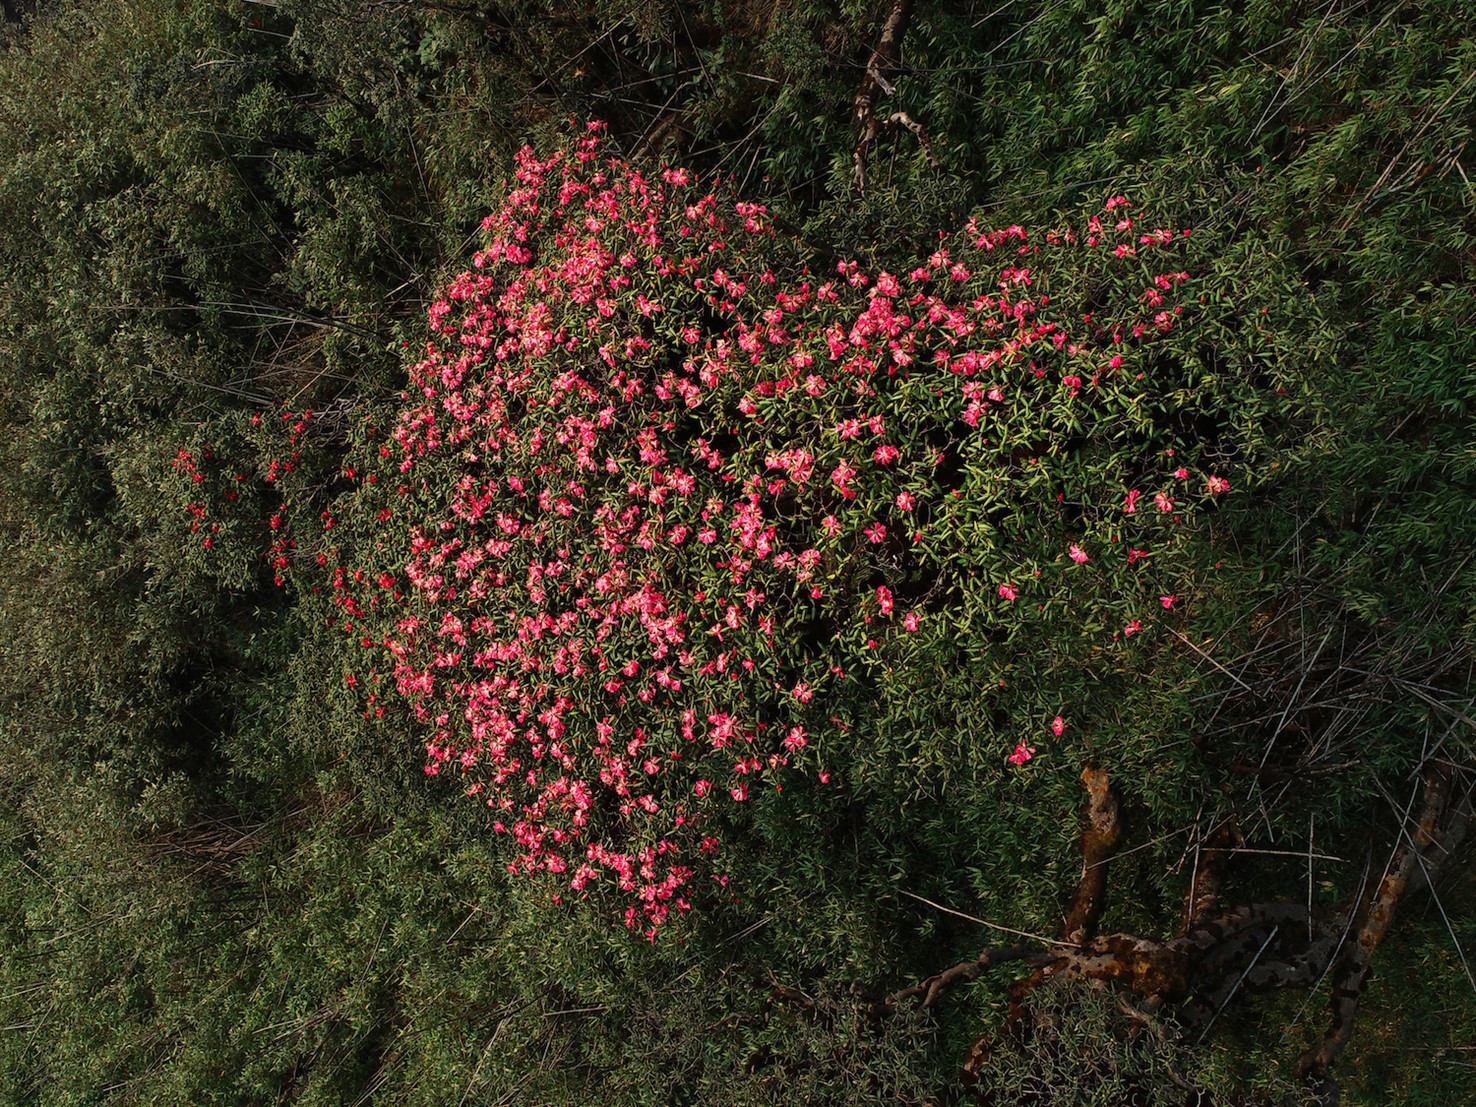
(1420, 853)
(885, 59)
(932, 989)
(1219, 952)
(1098, 843)
(1209, 873)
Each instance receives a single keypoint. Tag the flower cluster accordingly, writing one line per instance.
(660, 501)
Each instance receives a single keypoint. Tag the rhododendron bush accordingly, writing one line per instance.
(669, 504)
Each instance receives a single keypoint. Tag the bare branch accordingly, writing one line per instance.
(1209, 871)
(1098, 843)
(885, 59)
(1418, 850)
(932, 989)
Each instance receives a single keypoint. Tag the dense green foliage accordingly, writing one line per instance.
(227, 881)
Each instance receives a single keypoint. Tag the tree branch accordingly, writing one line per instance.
(1420, 853)
(885, 59)
(1098, 843)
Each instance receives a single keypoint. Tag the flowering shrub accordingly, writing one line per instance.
(662, 505)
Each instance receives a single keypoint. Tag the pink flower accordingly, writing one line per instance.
(910, 620)
(876, 533)
(841, 477)
(1131, 504)
(803, 692)
(884, 598)
(702, 787)
(1132, 628)
(1217, 485)
(1181, 473)
(1078, 555)
(1022, 754)
(830, 524)
(739, 793)
(1007, 593)
(1162, 501)
(1168, 601)
(1058, 726)
(905, 501)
